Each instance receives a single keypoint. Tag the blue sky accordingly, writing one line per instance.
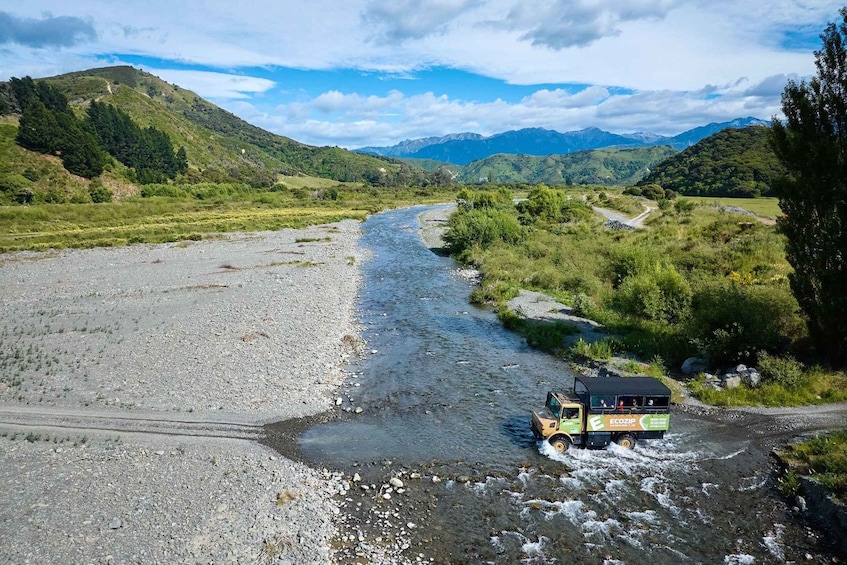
(367, 72)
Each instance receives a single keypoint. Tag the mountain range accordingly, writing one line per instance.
(463, 148)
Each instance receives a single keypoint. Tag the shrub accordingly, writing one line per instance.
(785, 371)
(583, 305)
(481, 227)
(661, 295)
(653, 192)
(733, 322)
(98, 192)
(14, 183)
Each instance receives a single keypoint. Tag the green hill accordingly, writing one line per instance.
(732, 162)
(219, 145)
(598, 166)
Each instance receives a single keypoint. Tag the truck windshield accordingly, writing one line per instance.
(554, 406)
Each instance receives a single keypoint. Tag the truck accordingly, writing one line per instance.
(602, 410)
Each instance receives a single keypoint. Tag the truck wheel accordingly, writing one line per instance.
(627, 441)
(560, 443)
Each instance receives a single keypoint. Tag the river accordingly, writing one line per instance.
(446, 394)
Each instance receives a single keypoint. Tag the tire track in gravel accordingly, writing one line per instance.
(151, 423)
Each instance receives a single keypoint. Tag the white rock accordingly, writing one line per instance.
(395, 482)
(386, 496)
(436, 479)
(339, 401)
(356, 478)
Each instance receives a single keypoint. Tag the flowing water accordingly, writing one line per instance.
(446, 394)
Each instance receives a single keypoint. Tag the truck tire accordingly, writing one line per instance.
(627, 441)
(560, 443)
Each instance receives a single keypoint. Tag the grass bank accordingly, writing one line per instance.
(174, 213)
(824, 458)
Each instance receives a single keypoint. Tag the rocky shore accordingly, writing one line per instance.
(134, 380)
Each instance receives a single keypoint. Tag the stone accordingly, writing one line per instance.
(801, 503)
(339, 401)
(386, 496)
(694, 365)
(436, 479)
(356, 478)
(358, 410)
(731, 382)
(395, 482)
(115, 523)
(751, 377)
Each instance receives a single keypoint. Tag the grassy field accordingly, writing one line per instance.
(160, 219)
(764, 207)
(313, 182)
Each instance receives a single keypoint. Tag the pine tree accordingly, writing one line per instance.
(38, 129)
(812, 144)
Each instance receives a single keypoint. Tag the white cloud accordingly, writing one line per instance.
(688, 61)
(352, 120)
(559, 24)
(401, 20)
(215, 85)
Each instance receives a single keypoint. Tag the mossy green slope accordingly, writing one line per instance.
(598, 166)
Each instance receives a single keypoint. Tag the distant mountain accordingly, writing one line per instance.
(731, 162)
(609, 166)
(463, 148)
(409, 146)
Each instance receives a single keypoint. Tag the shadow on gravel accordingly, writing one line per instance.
(282, 436)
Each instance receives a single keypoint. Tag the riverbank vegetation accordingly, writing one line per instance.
(823, 457)
(170, 212)
(697, 280)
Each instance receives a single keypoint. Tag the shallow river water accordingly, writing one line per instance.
(446, 392)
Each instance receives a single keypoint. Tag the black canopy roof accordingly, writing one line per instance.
(647, 386)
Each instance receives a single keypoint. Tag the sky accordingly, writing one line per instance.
(356, 73)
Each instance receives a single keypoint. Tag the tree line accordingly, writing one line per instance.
(48, 125)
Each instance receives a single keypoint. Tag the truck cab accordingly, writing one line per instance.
(602, 410)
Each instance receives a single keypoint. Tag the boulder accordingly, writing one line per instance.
(751, 377)
(748, 375)
(694, 365)
(731, 382)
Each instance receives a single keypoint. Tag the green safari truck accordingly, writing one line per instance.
(602, 410)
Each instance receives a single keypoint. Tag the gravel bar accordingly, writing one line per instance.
(164, 340)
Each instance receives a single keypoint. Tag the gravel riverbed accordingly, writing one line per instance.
(240, 330)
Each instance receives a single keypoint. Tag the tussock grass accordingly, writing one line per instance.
(825, 457)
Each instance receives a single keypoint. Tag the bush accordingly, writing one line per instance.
(583, 305)
(660, 295)
(653, 192)
(481, 227)
(14, 183)
(98, 192)
(733, 322)
(785, 371)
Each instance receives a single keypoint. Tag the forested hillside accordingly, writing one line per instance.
(184, 137)
(732, 162)
(599, 166)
